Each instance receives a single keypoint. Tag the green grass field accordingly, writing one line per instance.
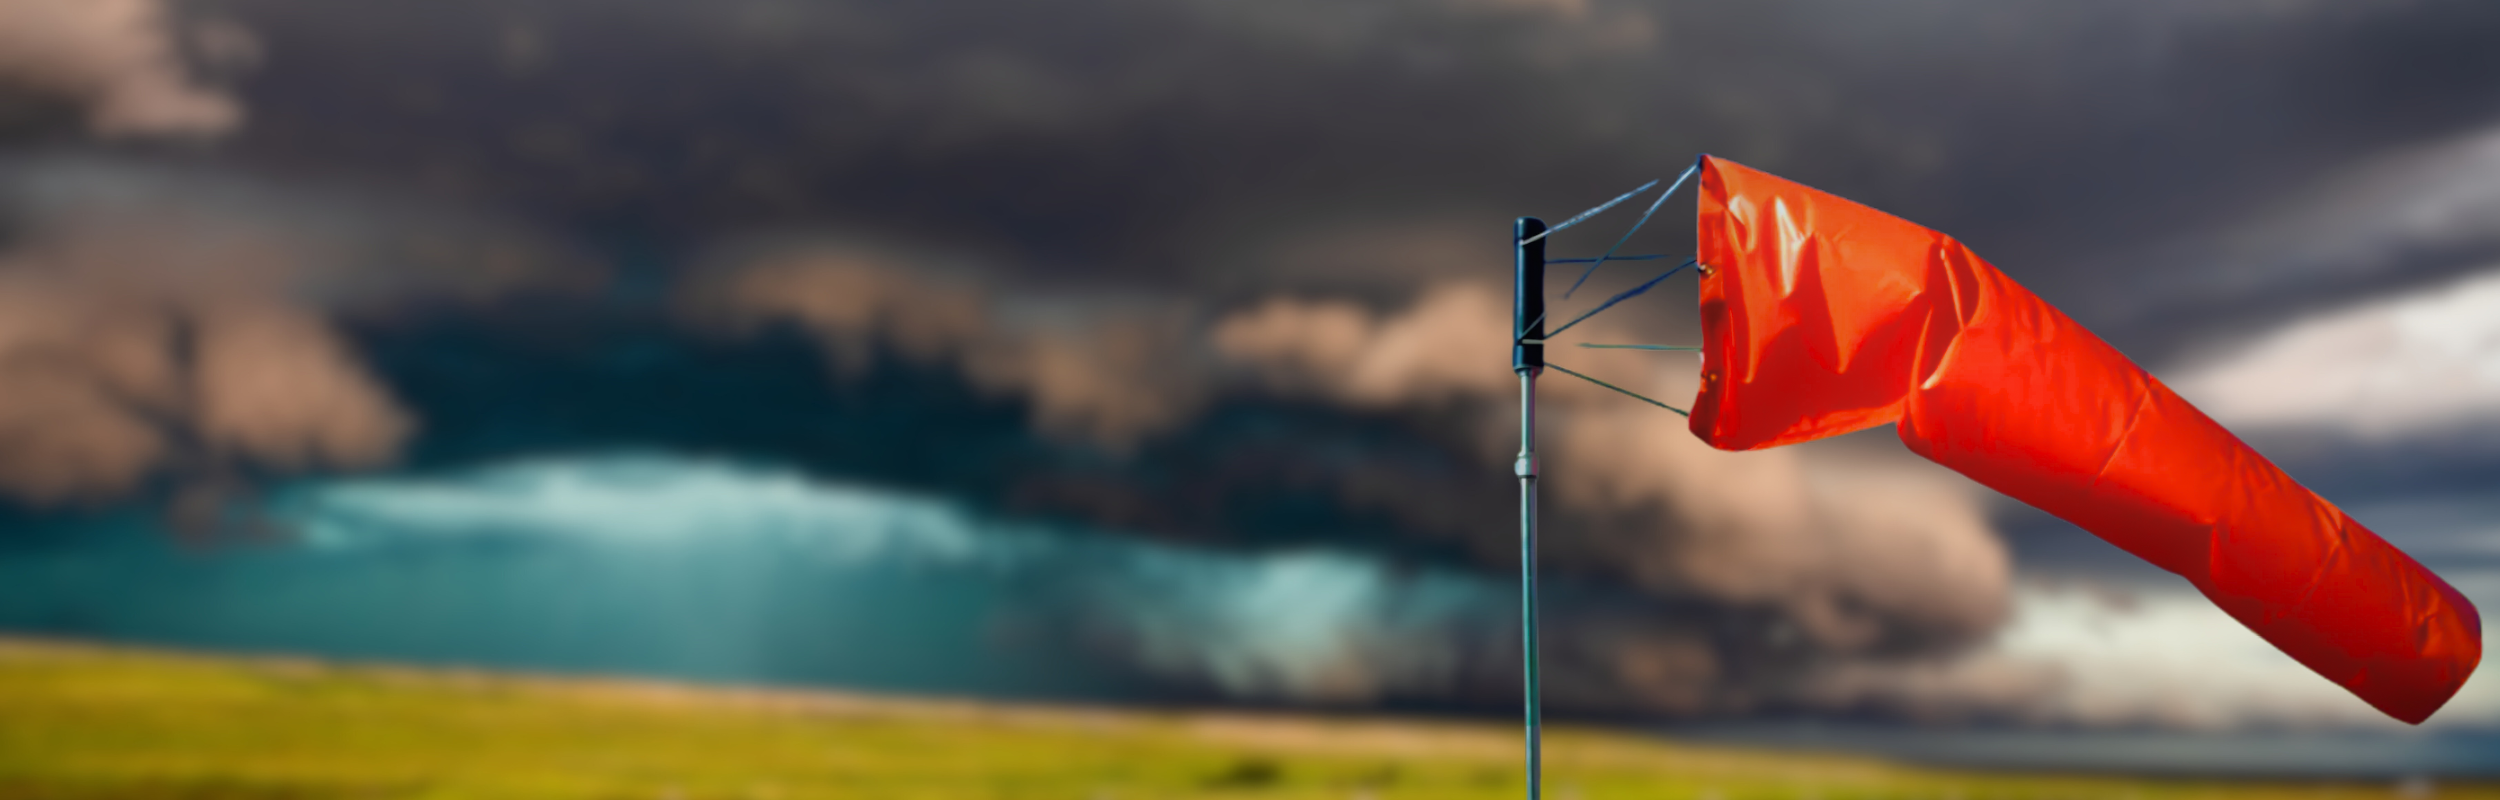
(89, 722)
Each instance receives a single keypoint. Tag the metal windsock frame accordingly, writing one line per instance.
(1527, 358)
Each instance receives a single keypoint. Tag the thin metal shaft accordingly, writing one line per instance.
(1526, 469)
(1528, 359)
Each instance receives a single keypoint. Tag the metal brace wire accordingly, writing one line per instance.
(1642, 257)
(1584, 215)
(1636, 227)
(1634, 395)
(1626, 294)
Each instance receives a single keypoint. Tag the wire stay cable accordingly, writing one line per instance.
(1634, 395)
(1642, 257)
(1589, 213)
(1626, 294)
(1636, 228)
(1673, 347)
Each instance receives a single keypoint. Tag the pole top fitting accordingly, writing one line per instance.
(1528, 295)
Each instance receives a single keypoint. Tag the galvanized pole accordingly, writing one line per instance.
(1527, 357)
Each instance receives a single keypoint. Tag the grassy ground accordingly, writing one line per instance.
(87, 722)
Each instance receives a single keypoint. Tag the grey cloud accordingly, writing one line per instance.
(162, 327)
(1856, 557)
(122, 61)
(1092, 370)
(110, 388)
(1814, 556)
(2406, 218)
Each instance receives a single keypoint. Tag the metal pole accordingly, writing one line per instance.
(1527, 357)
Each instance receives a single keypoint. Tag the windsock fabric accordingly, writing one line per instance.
(1821, 316)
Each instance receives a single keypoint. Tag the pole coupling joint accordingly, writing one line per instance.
(1525, 467)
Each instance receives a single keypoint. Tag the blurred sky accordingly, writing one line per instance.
(1153, 351)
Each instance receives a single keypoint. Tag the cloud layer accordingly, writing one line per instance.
(117, 378)
(121, 61)
(1801, 558)
(2417, 366)
(171, 330)
(1222, 267)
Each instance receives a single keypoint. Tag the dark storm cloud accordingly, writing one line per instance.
(1148, 141)
(1107, 137)
(1168, 225)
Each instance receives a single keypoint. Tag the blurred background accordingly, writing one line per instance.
(1152, 353)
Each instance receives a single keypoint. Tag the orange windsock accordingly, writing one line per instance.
(1821, 316)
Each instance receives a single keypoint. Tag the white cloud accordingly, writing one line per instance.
(2097, 657)
(2398, 367)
